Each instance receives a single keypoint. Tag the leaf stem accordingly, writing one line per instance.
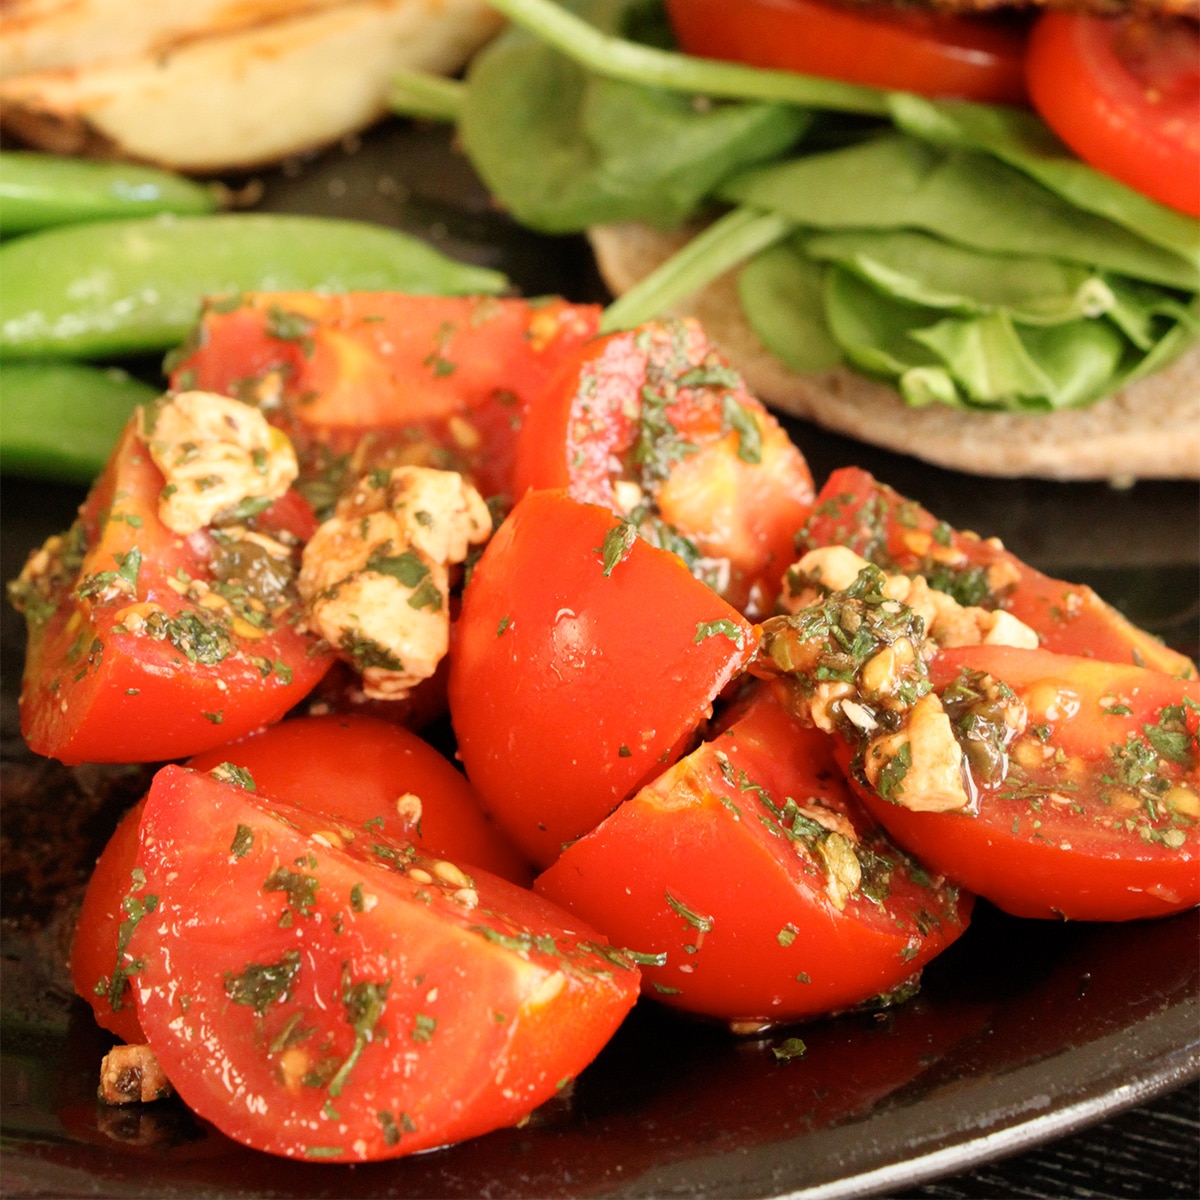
(727, 242)
(422, 94)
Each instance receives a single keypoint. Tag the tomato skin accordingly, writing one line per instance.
(569, 688)
(353, 769)
(432, 380)
(358, 768)
(1124, 94)
(358, 1002)
(910, 50)
(700, 868)
(1069, 840)
(657, 411)
(853, 509)
(94, 691)
(94, 950)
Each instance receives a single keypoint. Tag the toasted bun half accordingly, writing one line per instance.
(1149, 430)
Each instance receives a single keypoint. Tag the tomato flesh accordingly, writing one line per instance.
(1094, 811)
(721, 868)
(98, 961)
(575, 679)
(853, 509)
(1124, 94)
(654, 424)
(907, 49)
(382, 379)
(354, 1001)
(361, 769)
(100, 688)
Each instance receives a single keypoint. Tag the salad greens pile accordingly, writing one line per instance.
(957, 250)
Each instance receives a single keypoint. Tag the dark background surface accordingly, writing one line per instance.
(1088, 1021)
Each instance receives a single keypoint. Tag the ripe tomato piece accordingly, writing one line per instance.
(585, 660)
(355, 770)
(99, 964)
(345, 1000)
(1088, 809)
(898, 535)
(763, 888)
(888, 46)
(145, 644)
(653, 423)
(359, 769)
(382, 378)
(1124, 94)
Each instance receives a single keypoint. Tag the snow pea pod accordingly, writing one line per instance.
(40, 190)
(60, 420)
(134, 285)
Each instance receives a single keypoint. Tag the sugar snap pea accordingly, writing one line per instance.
(60, 420)
(40, 190)
(126, 286)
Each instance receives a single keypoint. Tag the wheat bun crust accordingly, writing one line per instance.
(1148, 430)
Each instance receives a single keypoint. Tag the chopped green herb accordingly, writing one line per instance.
(618, 542)
(259, 985)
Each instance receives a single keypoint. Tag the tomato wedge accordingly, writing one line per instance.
(584, 662)
(653, 423)
(754, 886)
(341, 1000)
(355, 770)
(1090, 811)
(899, 535)
(888, 46)
(383, 378)
(146, 645)
(361, 769)
(1124, 94)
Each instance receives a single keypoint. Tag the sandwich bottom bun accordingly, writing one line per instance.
(1148, 430)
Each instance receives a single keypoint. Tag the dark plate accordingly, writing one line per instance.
(1024, 1031)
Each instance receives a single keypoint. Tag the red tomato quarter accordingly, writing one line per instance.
(585, 660)
(654, 424)
(342, 1003)
(763, 888)
(909, 49)
(1124, 94)
(360, 770)
(384, 378)
(898, 535)
(146, 645)
(1090, 812)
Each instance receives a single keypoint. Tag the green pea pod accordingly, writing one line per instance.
(60, 420)
(40, 190)
(119, 287)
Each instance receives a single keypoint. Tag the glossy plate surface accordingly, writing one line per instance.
(1023, 1031)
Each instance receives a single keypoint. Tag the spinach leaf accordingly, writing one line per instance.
(780, 291)
(925, 270)
(563, 149)
(970, 198)
(1023, 141)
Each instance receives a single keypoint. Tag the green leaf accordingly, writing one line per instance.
(562, 149)
(781, 295)
(1023, 141)
(972, 199)
(925, 270)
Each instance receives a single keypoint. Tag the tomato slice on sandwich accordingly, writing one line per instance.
(909, 49)
(1124, 94)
